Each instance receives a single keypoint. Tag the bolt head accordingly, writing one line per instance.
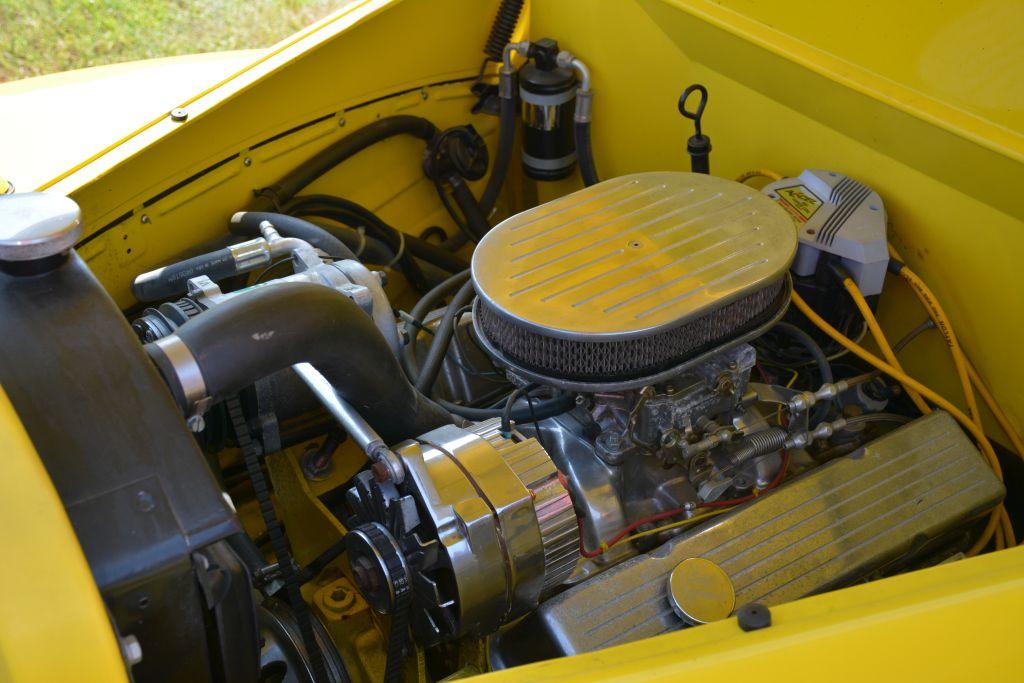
(144, 501)
(131, 650)
(179, 115)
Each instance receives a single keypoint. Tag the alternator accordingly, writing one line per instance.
(483, 523)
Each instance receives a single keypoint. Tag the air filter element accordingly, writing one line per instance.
(627, 282)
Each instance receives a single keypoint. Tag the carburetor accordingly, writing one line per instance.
(639, 295)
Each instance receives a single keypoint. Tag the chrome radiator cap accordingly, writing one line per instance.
(631, 277)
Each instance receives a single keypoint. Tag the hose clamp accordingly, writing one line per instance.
(190, 377)
(250, 254)
(583, 100)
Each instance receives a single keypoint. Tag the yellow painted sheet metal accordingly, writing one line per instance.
(53, 624)
(956, 622)
(51, 123)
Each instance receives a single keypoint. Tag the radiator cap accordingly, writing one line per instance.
(36, 225)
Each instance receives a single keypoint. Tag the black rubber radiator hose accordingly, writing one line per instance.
(250, 337)
(168, 281)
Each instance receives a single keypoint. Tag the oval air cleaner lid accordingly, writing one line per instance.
(631, 277)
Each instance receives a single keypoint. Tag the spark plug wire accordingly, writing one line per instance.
(903, 378)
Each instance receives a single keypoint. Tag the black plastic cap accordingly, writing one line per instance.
(753, 617)
(544, 53)
(699, 149)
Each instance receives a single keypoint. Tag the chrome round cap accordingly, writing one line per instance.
(35, 225)
(700, 591)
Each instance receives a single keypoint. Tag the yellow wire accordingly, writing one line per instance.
(1007, 528)
(967, 375)
(938, 316)
(883, 343)
(965, 369)
(910, 382)
(758, 173)
(987, 533)
(673, 525)
(1001, 418)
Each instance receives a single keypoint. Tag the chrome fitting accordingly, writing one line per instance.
(566, 60)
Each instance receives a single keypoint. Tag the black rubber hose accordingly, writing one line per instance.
(506, 412)
(248, 223)
(246, 550)
(542, 409)
(503, 158)
(502, 28)
(355, 215)
(406, 262)
(476, 220)
(171, 280)
(585, 154)
(820, 359)
(442, 338)
(317, 565)
(367, 248)
(250, 337)
(425, 305)
(294, 182)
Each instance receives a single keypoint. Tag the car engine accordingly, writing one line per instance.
(624, 322)
(628, 415)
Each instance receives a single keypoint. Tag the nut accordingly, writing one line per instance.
(380, 471)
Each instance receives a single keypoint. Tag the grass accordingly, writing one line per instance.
(46, 36)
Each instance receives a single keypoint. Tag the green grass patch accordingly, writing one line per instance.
(46, 36)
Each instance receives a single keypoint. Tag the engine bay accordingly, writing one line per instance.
(653, 403)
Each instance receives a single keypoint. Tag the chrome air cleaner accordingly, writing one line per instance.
(627, 282)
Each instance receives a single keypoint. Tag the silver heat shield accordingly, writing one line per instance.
(838, 523)
(631, 279)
